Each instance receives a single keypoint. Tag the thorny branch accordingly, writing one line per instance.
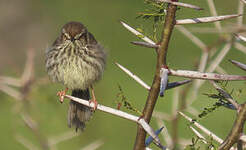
(161, 62)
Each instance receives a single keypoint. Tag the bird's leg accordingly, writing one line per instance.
(61, 94)
(93, 100)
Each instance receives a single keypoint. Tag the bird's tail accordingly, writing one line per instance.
(78, 114)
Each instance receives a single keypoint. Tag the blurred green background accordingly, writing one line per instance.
(36, 23)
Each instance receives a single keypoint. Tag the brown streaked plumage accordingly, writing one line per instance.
(77, 61)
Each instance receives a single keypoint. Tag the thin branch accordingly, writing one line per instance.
(65, 136)
(219, 57)
(181, 4)
(34, 128)
(205, 19)
(162, 116)
(206, 131)
(28, 72)
(138, 34)
(205, 76)
(11, 91)
(214, 13)
(198, 134)
(119, 113)
(240, 11)
(175, 102)
(10, 81)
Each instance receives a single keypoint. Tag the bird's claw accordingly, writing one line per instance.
(95, 103)
(61, 95)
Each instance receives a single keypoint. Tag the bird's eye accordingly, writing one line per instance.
(66, 35)
(78, 36)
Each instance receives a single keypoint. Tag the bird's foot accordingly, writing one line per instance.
(95, 103)
(61, 95)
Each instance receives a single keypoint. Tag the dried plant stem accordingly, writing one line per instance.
(155, 88)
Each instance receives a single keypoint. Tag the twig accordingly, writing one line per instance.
(10, 81)
(28, 72)
(119, 113)
(219, 57)
(11, 91)
(205, 19)
(33, 126)
(209, 133)
(198, 134)
(240, 11)
(162, 116)
(65, 136)
(205, 76)
(214, 13)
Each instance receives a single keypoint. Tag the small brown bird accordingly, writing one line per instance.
(77, 61)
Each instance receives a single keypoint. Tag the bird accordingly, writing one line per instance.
(77, 61)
